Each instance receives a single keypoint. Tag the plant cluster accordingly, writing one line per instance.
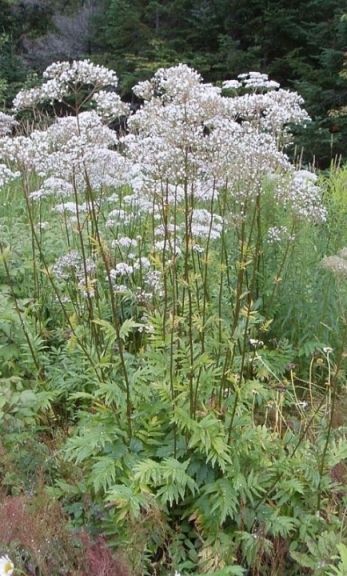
(146, 365)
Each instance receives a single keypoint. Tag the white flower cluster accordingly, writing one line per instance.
(188, 139)
(271, 111)
(7, 123)
(81, 72)
(151, 279)
(153, 282)
(53, 186)
(50, 91)
(121, 269)
(278, 234)
(186, 145)
(167, 238)
(27, 153)
(118, 217)
(72, 208)
(257, 80)
(140, 204)
(6, 175)
(124, 269)
(169, 83)
(231, 85)
(171, 121)
(124, 242)
(82, 150)
(303, 196)
(77, 150)
(63, 78)
(206, 225)
(142, 263)
(109, 105)
(71, 266)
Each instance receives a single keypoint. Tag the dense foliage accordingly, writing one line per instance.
(172, 331)
(301, 44)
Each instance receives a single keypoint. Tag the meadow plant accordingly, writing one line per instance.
(158, 251)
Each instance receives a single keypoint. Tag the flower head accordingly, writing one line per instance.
(6, 566)
(337, 264)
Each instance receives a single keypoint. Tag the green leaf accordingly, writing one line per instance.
(303, 559)
(128, 501)
(103, 473)
(127, 327)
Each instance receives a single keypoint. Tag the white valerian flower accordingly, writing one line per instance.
(72, 265)
(187, 140)
(53, 186)
(6, 566)
(109, 105)
(205, 224)
(81, 72)
(187, 144)
(231, 85)
(121, 288)
(257, 80)
(124, 242)
(121, 269)
(6, 124)
(153, 282)
(277, 234)
(6, 175)
(303, 195)
(142, 263)
(117, 217)
(71, 208)
(62, 78)
(168, 245)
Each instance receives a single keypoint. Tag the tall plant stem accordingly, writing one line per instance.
(188, 237)
(281, 266)
(165, 216)
(333, 388)
(93, 329)
(205, 295)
